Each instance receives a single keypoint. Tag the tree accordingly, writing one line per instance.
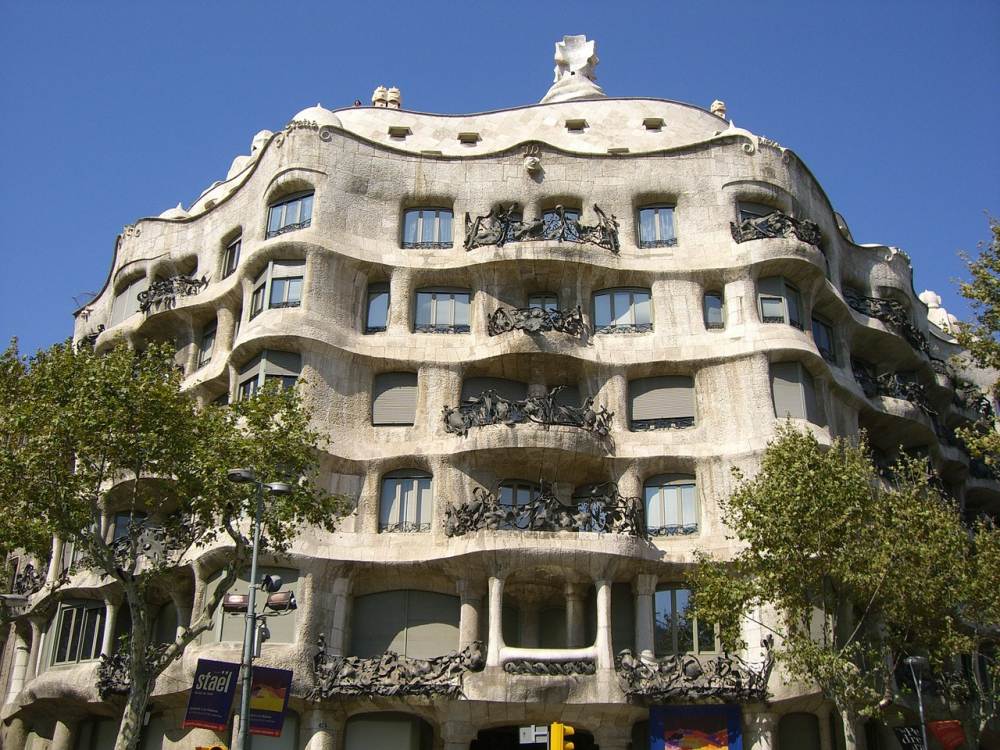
(860, 571)
(89, 435)
(982, 339)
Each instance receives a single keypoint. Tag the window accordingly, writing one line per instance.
(515, 494)
(779, 301)
(442, 311)
(794, 393)
(656, 226)
(124, 520)
(555, 229)
(823, 338)
(126, 302)
(290, 214)
(415, 624)
(377, 315)
(675, 629)
(671, 505)
(545, 301)
(394, 398)
(231, 258)
(512, 390)
(661, 403)
(406, 502)
(79, 630)
(753, 210)
(280, 284)
(622, 311)
(269, 365)
(207, 344)
(427, 227)
(714, 307)
(230, 625)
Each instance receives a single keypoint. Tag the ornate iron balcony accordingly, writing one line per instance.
(726, 677)
(28, 581)
(114, 672)
(436, 328)
(535, 320)
(892, 385)
(392, 675)
(164, 292)
(500, 226)
(672, 242)
(89, 340)
(405, 527)
(969, 397)
(776, 224)
(674, 529)
(550, 668)
(890, 312)
(625, 328)
(288, 228)
(603, 510)
(427, 245)
(672, 423)
(492, 408)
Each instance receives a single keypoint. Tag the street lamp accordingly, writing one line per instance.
(918, 665)
(247, 476)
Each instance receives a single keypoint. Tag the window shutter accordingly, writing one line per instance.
(786, 388)
(814, 412)
(394, 398)
(668, 397)
(512, 390)
(771, 285)
(283, 363)
(281, 269)
(378, 624)
(431, 624)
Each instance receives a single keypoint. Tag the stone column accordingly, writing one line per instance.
(644, 587)
(36, 644)
(470, 598)
(337, 643)
(575, 593)
(456, 735)
(16, 736)
(225, 331)
(64, 735)
(22, 651)
(56, 562)
(762, 729)
(401, 298)
(825, 735)
(605, 653)
(496, 622)
(110, 620)
(321, 729)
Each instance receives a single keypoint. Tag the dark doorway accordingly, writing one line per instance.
(506, 738)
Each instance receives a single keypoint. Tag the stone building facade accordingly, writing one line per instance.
(537, 339)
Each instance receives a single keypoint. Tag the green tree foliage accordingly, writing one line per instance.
(862, 571)
(87, 436)
(982, 337)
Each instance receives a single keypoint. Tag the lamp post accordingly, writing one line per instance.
(918, 665)
(247, 476)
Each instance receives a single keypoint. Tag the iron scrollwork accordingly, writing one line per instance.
(89, 340)
(603, 509)
(890, 312)
(501, 226)
(406, 527)
(164, 292)
(968, 396)
(776, 224)
(891, 384)
(114, 671)
(28, 581)
(535, 320)
(550, 668)
(392, 675)
(686, 677)
(492, 408)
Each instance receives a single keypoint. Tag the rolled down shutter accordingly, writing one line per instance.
(281, 269)
(786, 388)
(512, 390)
(814, 412)
(283, 363)
(378, 624)
(394, 398)
(431, 624)
(668, 397)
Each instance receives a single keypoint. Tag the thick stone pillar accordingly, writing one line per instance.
(762, 728)
(496, 622)
(110, 620)
(322, 729)
(605, 653)
(225, 332)
(64, 736)
(400, 299)
(22, 652)
(575, 593)
(825, 735)
(56, 562)
(457, 735)
(644, 587)
(36, 644)
(470, 598)
(15, 737)
(337, 644)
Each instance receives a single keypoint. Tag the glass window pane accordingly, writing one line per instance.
(278, 290)
(623, 308)
(424, 489)
(684, 621)
(647, 225)
(424, 300)
(65, 630)
(378, 310)
(507, 495)
(389, 503)
(794, 316)
(294, 295)
(88, 644)
(654, 508)
(410, 221)
(663, 620)
(706, 636)
(642, 309)
(602, 310)
(461, 309)
(666, 227)
(428, 226)
(274, 219)
(671, 506)
(305, 214)
(444, 309)
(292, 210)
(444, 222)
(74, 640)
(689, 506)
(772, 308)
(713, 310)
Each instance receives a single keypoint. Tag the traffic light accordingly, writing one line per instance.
(557, 736)
(210, 747)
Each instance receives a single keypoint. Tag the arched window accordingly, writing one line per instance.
(442, 311)
(427, 227)
(671, 505)
(406, 502)
(377, 311)
(714, 307)
(289, 214)
(622, 311)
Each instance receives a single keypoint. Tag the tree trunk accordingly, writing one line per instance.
(130, 731)
(142, 674)
(854, 735)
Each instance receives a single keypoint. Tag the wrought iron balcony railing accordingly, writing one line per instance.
(674, 529)
(405, 527)
(440, 328)
(427, 245)
(726, 677)
(672, 423)
(776, 224)
(163, 293)
(535, 320)
(114, 672)
(624, 328)
(492, 408)
(891, 384)
(602, 510)
(28, 581)
(391, 675)
(890, 312)
(500, 226)
(288, 228)
(550, 668)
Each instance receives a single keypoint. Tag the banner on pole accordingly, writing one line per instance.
(211, 695)
(269, 693)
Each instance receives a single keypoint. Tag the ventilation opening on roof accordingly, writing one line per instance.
(576, 126)
(618, 150)
(469, 139)
(399, 131)
(653, 123)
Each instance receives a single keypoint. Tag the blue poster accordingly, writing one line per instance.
(211, 695)
(269, 699)
(695, 728)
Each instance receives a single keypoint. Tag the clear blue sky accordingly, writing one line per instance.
(110, 111)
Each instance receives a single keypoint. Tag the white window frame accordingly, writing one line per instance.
(442, 326)
(421, 215)
(788, 292)
(406, 511)
(264, 284)
(78, 609)
(231, 257)
(626, 327)
(661, 239)
(669, 499)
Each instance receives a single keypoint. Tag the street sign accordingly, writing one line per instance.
(533, 735)
(211, 695)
